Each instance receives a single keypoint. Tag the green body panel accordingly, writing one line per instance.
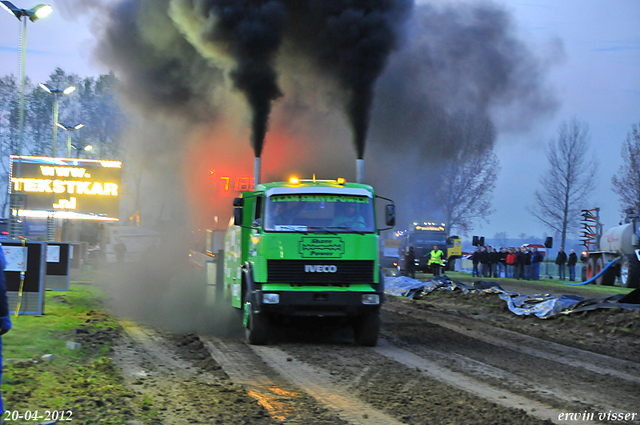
(296, 246)
(254, 246)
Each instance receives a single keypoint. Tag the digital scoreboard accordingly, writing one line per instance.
(75, 188)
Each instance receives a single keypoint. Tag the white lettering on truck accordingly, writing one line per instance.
(320, 269)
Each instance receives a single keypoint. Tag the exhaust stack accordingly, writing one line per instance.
(359, 170)
(257, 165)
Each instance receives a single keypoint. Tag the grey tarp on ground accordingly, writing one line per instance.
(543, 306)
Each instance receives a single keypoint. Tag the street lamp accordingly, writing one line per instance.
(57, 94)
(38, 12)
(85, 148)
(69, 129)
(16, 227)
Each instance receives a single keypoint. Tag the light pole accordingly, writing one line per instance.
(57, 94)
(85, 148)
(69, 129)
(39, 11)
(16, 226)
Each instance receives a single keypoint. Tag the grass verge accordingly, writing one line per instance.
(81, 381)
(548, 283)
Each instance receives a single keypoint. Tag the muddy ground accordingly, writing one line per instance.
(317, 375)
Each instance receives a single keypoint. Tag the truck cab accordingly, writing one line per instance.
(306, 248)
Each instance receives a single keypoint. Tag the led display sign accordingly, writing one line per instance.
(84, 187)
(239, 184)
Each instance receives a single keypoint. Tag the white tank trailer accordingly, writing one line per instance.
(622, 245)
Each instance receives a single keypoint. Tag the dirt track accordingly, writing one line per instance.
(448, 359)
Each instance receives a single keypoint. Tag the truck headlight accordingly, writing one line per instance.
(270, 298)
(371, 299)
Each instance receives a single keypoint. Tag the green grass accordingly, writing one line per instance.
(82, 380)
(32, 336)
(554, 283)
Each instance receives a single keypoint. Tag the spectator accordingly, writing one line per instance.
(495, 262)
(520, 263)
(502, 265)
(484, 262)
(489, 262)
(561, 259)
(511, 263)
(573, 259)
(410, 263)
(536, 259)
(475, 259)
(527, 263)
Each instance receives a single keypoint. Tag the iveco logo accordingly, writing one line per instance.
(320, 269)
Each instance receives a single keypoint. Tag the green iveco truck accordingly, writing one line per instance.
(306, 248)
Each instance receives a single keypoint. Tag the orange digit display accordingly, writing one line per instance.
(226, 185)
(241, 184)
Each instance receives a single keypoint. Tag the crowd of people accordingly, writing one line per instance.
(519, 263)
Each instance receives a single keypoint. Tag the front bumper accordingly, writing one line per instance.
(318, 303)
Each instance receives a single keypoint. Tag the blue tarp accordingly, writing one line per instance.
(543, 306)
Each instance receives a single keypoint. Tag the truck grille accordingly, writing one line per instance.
(328, 272)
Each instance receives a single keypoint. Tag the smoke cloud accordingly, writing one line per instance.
(351, 42)
(407, 79)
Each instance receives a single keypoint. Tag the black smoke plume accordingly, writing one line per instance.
(250, 32)
(350, 40)
(184, 47)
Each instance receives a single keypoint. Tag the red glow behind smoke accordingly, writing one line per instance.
(218, 165)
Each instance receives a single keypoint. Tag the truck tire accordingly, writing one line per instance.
(256, 328)
(366, 329)
(608, 278)
(630, 272)
(591, 268)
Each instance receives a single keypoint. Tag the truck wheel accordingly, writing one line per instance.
(630, 272)
(366, 329)
(608, 278)
(591, 268)
(256, 325)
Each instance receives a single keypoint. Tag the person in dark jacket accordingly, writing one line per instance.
(489, 262)
(527, 263)
(5, 319)
(495, 262)
(475, 259)
(573, 259)
(520, 253)
(410, 263)
(502, 265)
(485, 269)
(561, 260)
(536, 259)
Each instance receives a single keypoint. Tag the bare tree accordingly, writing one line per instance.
(501, 238)
(568, 181)
(627, 182)
(469, 177)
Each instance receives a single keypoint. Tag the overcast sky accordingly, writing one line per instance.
(593, 47)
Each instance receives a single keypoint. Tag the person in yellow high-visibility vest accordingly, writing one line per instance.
(435, 260)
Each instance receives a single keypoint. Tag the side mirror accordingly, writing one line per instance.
(237, 216)
(238, 202)
(390, 215)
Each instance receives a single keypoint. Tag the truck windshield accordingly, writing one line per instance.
(321, 213)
